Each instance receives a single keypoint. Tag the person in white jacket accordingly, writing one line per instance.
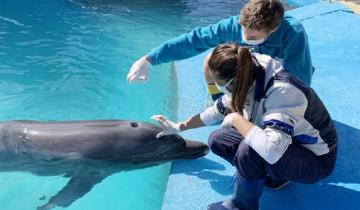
(273, 125)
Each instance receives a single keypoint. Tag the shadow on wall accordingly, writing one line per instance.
(339, 191)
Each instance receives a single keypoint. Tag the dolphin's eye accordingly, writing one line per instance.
(134, 124)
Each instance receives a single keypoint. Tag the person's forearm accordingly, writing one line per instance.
(191, 123)
(242, 125)
(196, 41)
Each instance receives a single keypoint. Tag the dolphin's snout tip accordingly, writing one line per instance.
(195, 149)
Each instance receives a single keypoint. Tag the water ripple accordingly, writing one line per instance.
(15, 22)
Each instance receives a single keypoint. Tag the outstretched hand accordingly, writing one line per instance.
(169, 127)
(139, 70)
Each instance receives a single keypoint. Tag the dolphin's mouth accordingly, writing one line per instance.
(191, 150)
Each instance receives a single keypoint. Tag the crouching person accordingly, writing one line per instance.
(274, 127)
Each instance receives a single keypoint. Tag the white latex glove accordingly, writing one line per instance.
(139, 70)
(229, 120)
(169, 126)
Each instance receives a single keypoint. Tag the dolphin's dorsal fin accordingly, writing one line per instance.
(78, 186)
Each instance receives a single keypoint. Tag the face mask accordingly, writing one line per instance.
(252, 42)
(224, 88)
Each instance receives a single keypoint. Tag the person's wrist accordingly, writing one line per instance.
(181, 127)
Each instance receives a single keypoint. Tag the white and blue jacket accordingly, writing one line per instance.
(284, 110)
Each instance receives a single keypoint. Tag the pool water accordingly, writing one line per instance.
(68, 60)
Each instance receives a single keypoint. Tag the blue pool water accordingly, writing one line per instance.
(68, 60)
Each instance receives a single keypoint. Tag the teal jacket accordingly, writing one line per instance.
(289, 44)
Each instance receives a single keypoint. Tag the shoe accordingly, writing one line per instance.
(275, 184)
(222, 205)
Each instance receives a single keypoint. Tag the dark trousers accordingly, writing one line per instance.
(298, 164)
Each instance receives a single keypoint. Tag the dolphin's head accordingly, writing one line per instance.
(166, 148)
(175, 147)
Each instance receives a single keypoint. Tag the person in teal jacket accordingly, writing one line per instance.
(262, 24)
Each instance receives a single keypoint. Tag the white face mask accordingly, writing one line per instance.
(224, 88)
(252, 42)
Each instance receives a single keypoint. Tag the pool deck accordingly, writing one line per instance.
(334, 36)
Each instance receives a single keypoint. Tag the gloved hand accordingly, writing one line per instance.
(229, 120)
(169, 126)
(139, 70)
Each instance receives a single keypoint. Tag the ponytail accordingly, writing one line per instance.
(245, 73)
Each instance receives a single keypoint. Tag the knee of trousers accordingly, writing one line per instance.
(214, 140)
(249, 163)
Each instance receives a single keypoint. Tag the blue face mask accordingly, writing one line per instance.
(224, 88)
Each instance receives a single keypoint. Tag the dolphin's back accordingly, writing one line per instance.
(90, 139)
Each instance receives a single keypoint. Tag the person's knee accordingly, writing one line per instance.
(214, 138)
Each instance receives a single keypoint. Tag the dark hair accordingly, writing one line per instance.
(229, 61)
(263, 15)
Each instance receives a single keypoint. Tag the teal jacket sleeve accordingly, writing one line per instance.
(297, 58)
(197, 41)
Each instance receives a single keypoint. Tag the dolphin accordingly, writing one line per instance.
(87, 151)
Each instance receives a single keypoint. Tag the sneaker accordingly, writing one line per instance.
(222, 205)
